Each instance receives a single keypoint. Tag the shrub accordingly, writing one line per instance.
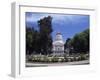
(66, 59)
(30, 59)
(55, 59)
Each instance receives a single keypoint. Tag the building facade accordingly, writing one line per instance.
(58, 45)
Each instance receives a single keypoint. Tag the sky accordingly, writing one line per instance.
(67, 24)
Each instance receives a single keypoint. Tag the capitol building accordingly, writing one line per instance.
(58, 45)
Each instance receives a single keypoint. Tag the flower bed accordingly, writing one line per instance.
(51, 59)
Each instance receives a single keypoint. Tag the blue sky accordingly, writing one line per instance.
(67, 24)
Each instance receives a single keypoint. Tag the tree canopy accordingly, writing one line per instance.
(40, 41)
(80, 42)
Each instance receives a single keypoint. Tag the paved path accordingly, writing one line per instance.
(57, 64)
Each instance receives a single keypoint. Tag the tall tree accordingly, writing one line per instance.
(29, 40)
(45, 26)
(40, 41)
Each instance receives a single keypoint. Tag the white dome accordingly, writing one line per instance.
(58, 39)
(58, 45)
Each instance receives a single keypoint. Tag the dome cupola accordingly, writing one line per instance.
(58, 37)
